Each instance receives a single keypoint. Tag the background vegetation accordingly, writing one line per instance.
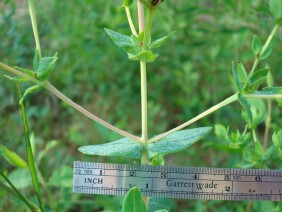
(192, 74)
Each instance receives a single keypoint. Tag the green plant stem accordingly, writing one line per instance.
(144, 115)
(61, 96)
(130, 22)
(14, 191)
(30, 158)
(191, 121)
(141, 19)
(254, 135)
(265, 46)
(32, 13)
(267, 124)
(147, 32)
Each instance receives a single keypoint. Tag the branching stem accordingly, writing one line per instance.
(130, 22)
(61, 96)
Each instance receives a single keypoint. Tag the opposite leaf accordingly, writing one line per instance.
(119, 39)
(160, 41)
(133, 201)
(256, 45)
(177, 141)
(236, 77)
(123, 147)
(146, 56)
(247, 109)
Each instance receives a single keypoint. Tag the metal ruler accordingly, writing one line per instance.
(178, 182)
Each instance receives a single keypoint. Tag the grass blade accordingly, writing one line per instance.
(30, 159)
(14, 191)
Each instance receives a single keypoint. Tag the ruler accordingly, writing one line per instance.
(178, 182)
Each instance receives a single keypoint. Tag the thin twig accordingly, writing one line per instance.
(60, 95)
(130, 22)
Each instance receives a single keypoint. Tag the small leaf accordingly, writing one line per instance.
(146, 56)
(236, 77)
(158, 160)
(256, 45)
(267, 52)
(45, 67)
(258, 77)
(119, 39)
(243, 76)
(127, 3)
(13, 158)
(160, 41)
(252, 154)
(177, 141)
(133, 201)
(268, 153)
(273, 90)
(123, 147)
(220, 130)
(277, 139)
(247, 109)
(275, 7)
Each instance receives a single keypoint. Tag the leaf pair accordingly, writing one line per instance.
(245, 83)
(42, 67)
(134, 45)
(127, 147)
(257, 48)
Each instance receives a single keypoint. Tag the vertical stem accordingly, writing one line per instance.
(130, 22)
(144, 113)
(32, 12)
(254, 135)
(141, 19)
(267, 124)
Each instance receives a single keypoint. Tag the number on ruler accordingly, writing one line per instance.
(163, 175)
(77, 171)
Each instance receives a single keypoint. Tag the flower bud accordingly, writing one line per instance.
(151, 4)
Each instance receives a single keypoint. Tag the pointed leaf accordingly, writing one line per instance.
(267, 52)
(123, 147)
(160, 41)
(146, 55)
(256, 45)
(133, 201)
(177, 141)
(275, 7)
(45, 67)
(247, 108)
(273, 90)
(258, 77)
(236, 77)
(13, 158)
(242, 74)
(119, 39)
(277, 139)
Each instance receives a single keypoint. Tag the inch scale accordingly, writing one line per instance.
(178, 182)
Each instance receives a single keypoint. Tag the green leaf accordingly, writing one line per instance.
(45, 67)
(275, 7)
(277, 139)
(267, 52)
(13, 158)
(243, 76)
(177, 141)
(268, 153)
(258, 77)
(158, 160)
(133, 201)
(247, 109)
(127, 3)
(145, 55)
(252, 153)
(220, 130)
(256, 46)
(125, 147)
(61, 178)
(119, 39)
(236, 77)
(160, 41)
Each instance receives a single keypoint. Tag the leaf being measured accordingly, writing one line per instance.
(177, 141)
(125, 147)
(133, 201)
